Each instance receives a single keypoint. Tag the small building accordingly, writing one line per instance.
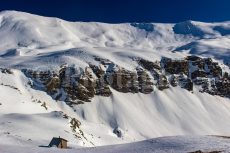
(58, 142)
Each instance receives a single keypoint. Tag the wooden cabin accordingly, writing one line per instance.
(58, 142)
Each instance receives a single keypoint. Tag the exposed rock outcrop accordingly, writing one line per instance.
(175, 66)
(76, 86)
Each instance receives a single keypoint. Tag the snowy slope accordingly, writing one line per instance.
(31, 117)
(25, 38)
(176, 144)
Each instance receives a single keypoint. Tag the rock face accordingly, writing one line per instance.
(6, 71)
(174, 80)
(162, 82)
(76, 86)
(175, 66)
(149, 65)
(198, 73)
(144, 82)
(221, 87)
(53, 84)
(123, 80)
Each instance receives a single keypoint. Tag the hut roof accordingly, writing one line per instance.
(56, 141)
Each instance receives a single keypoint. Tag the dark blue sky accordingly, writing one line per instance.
(116, 11)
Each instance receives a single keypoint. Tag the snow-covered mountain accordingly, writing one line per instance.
(101, 84)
